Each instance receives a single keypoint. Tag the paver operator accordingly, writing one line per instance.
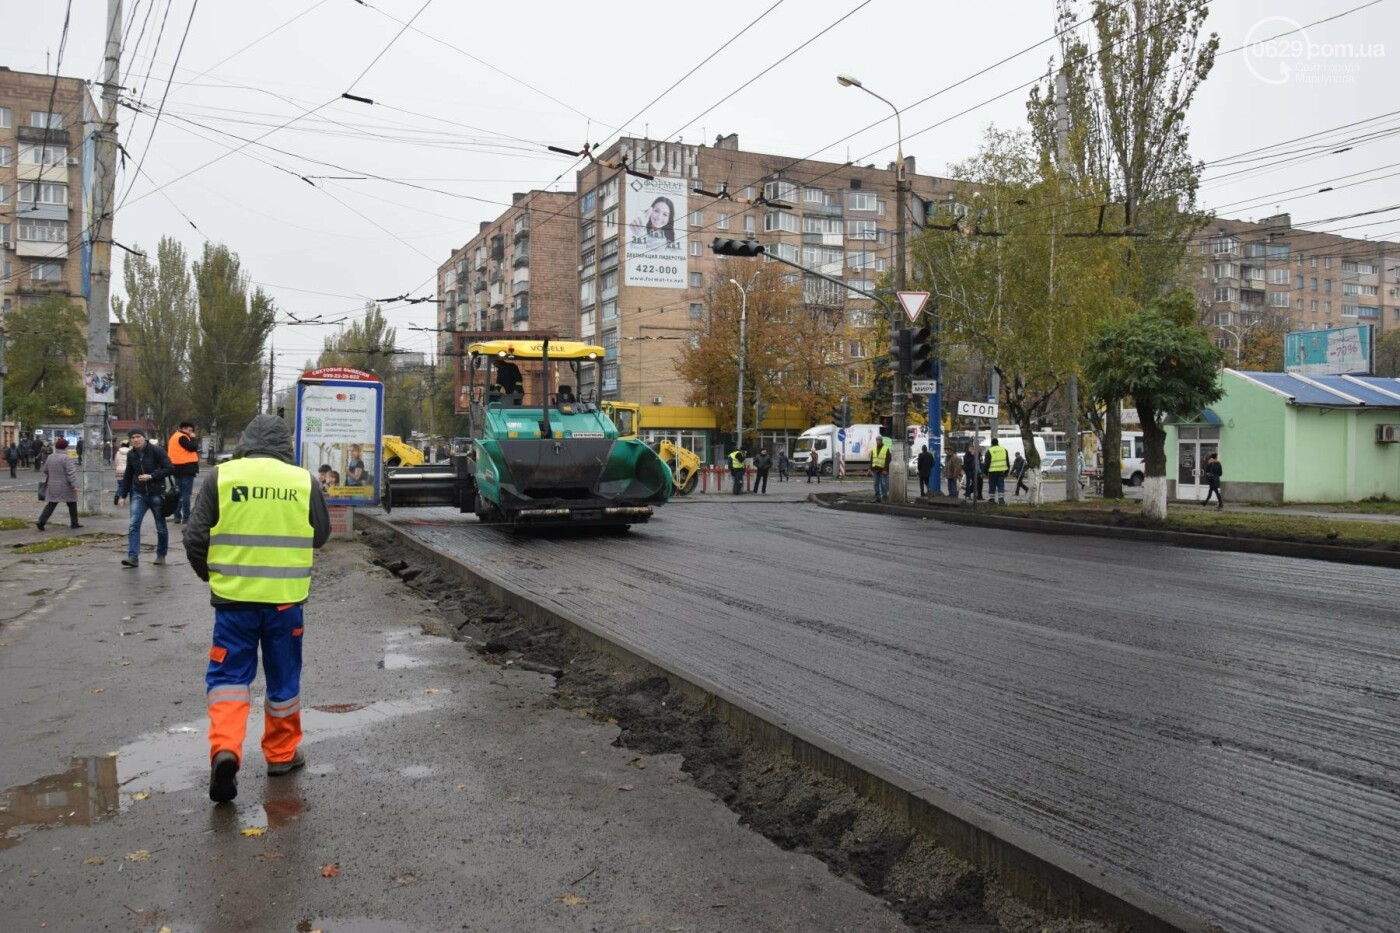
(250, 536)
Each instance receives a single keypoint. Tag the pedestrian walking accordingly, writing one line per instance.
(762, 464)
(972, 474)
(783, 466)
(12, 458)
(998, 465)
(1018, 470)
(61, 479)
(183, 450)
(143, 480)
(736, 469)
(925, 470)
(1214, 471)
(38, 452)
(814, 470)
(880, 468)
(953, 472)
(23, 448)
(258, 567)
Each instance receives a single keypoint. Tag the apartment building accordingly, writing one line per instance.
(46, 164)
(1265, 273)
(645, 265)
(519, 273)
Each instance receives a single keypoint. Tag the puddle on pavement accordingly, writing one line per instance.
(393, 661)
(97, 787)
(417, 771)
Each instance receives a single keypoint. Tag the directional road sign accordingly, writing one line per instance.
(924, 386)
(977, 409)
(913, 303)
(841, 435)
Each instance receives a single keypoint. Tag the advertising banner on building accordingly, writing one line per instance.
(656, 212)
(1337, 351)
(338, 436)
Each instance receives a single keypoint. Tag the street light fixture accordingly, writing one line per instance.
(899, 479)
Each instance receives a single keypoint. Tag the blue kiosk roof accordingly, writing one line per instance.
(1330, 391)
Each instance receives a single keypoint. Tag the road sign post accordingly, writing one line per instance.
(979, 411)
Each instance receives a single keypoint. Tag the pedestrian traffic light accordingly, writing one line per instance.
(921, 353)
(900, 349)
(745, 248)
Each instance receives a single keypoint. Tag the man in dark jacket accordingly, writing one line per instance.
(147, 466)
(12, 456)
(251, 535)
(925, 469)
(762, 464)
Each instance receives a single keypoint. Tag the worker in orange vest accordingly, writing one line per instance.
(183, 450)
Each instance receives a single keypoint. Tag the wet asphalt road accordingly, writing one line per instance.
(1218, 729)
(442, 793)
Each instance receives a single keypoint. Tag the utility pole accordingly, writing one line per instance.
(104, 187)
(271, 366)
(1072, 389)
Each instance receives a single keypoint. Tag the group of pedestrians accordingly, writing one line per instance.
(25, 452)
(762, 466)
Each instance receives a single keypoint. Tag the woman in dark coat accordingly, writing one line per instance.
(61, 474)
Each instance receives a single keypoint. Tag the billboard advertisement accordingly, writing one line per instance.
(656, 212)
(1336, 351)
(100, 383)
(338, 435)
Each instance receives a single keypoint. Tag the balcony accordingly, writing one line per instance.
(521, 260)
(36, 249)
(495, 324)
(520, 313)
(521, 236)
(35, 134)
(479, 285)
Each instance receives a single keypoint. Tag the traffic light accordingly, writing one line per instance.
(745, 248)
(921, 353)
(841, 415)
(900, 351)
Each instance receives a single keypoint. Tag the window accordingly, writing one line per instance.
(1225, 294)
(34, 154)
(862, 230)
(750, 223)
(1222, 342)
(857, 379)
(587, 203)
(1298, 303)
(609, 254)
(43, 231)
(1278, 251)
(1255, 273)
(1327, 307)
(586, 292)
(697, 218)
(861, 201)
(609, 224)
(822, 257)
(1370, 290)
(813, 196)
(1368, 311)
(1279, 300)
(45, 120)
(4, 233)
(5, 156)
(1225, 244)
(1313, 306)
(1224, 318)
(830, 226)
(722, 222)
(697, 280)
(694, 247)
(1365, 268)
(43, 193)
(780, 191)
(784, 251)
(4, 192)
(1348, 310)
(1327, 262)
(45, 272)
(1298, 259)
(607, 285)
(1298, 282)
(585, 322)
(607, 195)
(1350, 288)
(1312, 262)
(4, 118)
(1278, 276)
(1226, 270)
(866, 260)
(609, 312)
(748, 193)
(779, 221)
(1312, 283)
(855, 350)
(697, 311)
(1327, 286)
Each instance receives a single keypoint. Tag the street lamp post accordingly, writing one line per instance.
(899, 470)
(743, 325)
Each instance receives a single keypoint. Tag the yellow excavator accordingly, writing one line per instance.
(397, 453)
(684, 463)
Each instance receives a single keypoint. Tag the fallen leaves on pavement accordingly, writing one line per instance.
(140, 795)
(94, 860)
(252, 831)
(404, 880)
(573, 900)
(330, 871)
(140, 855)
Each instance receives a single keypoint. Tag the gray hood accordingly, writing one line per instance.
(268, 436)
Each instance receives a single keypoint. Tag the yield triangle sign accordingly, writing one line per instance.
(913, 303)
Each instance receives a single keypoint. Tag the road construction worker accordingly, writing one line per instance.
(250, 536)
(736, 469)
(183, 451)
(880, 469)
(998, 465)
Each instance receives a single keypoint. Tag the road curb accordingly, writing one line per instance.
(961, 515)
(1033, 870)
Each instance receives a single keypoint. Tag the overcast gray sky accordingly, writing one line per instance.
(467, 97)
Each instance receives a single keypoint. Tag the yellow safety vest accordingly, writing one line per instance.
(736, 461)
(260, 550)
(880, 454)
(998, 462)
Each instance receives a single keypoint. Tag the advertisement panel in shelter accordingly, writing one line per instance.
(339, 436)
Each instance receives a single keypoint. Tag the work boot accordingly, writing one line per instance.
(223, 777)
(159, 561)
(275, 768)
(129, 562)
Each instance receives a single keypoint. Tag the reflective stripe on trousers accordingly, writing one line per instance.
(239, 632)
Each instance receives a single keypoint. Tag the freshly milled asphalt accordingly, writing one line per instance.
(1216, 729)
(442, 793)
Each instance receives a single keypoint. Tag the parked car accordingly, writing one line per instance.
(1053, 462)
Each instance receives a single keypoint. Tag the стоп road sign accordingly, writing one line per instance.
(977, 409)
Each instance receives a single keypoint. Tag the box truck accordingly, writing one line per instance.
(823, 439)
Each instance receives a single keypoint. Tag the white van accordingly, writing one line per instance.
(819, 441)
(1134, 462)
(1009, 438)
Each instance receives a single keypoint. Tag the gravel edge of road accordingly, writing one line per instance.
(1026, 879)
(1248, 545)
